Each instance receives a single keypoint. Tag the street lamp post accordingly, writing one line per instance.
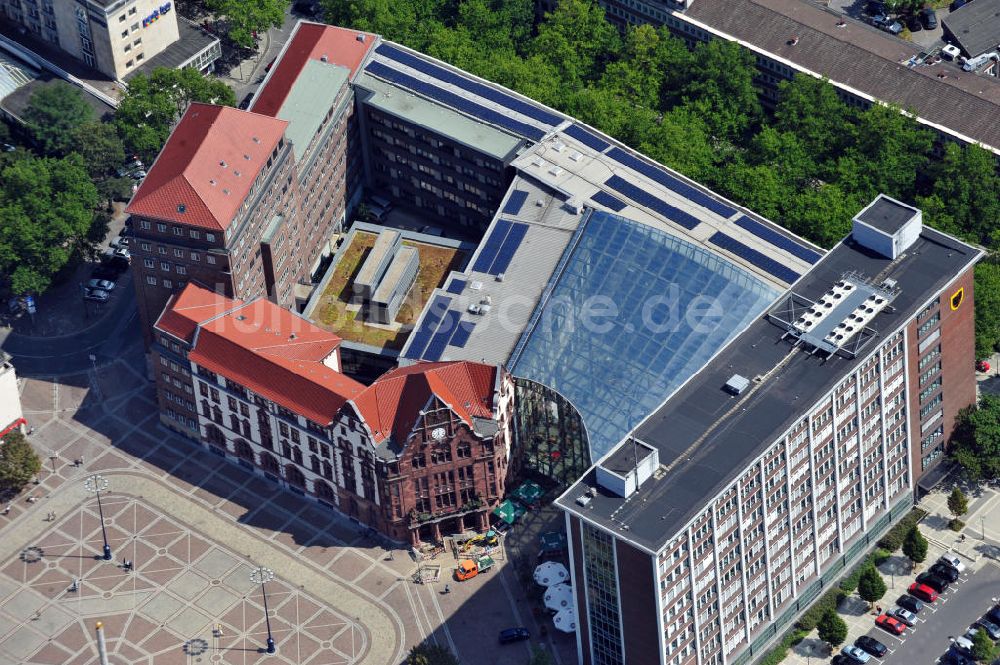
(97, 484)
(261, 575)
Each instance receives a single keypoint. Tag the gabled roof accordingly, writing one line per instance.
(194, 305)
(206, 169)
(392, 404)
(270, 350)
(311, 41)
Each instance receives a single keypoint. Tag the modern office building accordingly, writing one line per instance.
(420, 453)
(732, 506)
(117, 37)
(11, 416)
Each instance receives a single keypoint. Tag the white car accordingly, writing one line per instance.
(102, 284)
(950, 559)
(856, 654)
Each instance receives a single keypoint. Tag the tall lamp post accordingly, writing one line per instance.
(97, 484)
(261, 575)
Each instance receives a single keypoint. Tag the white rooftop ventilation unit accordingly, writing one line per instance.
(576, 156)
(630, 465)
(737, 384)
(558, 146)
(887, 227)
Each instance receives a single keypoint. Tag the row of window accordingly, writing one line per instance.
(177, 230)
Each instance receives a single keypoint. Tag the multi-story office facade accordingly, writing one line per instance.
(115, 37)
(421, 452)
(732, 507)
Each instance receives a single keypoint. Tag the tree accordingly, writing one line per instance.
(965, 180)
(248, 17)
(721, 89)
(153, 103)
(958, 503)
(983, 648)
(831, 628)
(810, 109)
(915, 546)
(53, 115)
(18, 462)
(47, 207)
(871, 586)
(987, 306)
(101, 148)
(976, 441)
(431, 654)
(577, 40)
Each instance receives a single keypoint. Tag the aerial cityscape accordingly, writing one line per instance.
(500, 332)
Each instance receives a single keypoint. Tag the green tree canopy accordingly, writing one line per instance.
(431, 654)
(915, 545)
(247, 17)
(983, 648)
(831, 628)
(958, 503)
(18, 462)
(101, 148)
(810, 109)
(721, 88)
(576, 39)
(871, 586)
(966, 182)
(977, 439)
(987, 307)
(54, 114)
(152, 104)
(47, 207)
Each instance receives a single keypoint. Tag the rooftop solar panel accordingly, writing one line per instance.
(454, 101)
(657, 174)
(427, 327)
(777, 239)
(466, 83)
(608, 201)
(461, 335)
(765, 263)
(644, 198)
(514, 203)
(586, 138)
(508, 249)
(457, 286)
(492, 245)
(449, 324)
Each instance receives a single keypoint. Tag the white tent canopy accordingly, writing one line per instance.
(559, 597)
(551, 573)
(565, 620)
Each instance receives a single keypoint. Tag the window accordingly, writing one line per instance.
(131, 12)
(210, 237)
(151, 280)
(129, 64)
(178, 231)
(181, 270)
(164, 266)
(161, 249)
(162, 228)
(145, 246)
(167, 284)
(194, 234)
(210, 259)
(124, 35)
(179, 253)
(121, 19)
(195, 256)
(135, 26)
(149, 263)
(144, 225)
(137, 41)
(140, 57)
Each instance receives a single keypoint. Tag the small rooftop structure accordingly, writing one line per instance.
(887, 226)
(377, 263)
(627, 467)
(975, 27)
(394, 285)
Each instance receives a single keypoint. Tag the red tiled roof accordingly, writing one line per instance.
(392, 404)
(207, 167)
(194, 305)
(311, 41)
(268, 349)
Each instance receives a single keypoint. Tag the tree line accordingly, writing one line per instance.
(810, 164)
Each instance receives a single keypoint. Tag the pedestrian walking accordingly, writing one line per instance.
(447, 588)
(6, 510)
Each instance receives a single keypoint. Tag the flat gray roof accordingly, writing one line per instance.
(192, 41)
(887, 215)
(440, 119)
(384, 244)
(313, 93)
(976, 26)
(704, 443)
(404, 258)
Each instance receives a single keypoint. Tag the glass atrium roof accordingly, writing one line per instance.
(633, 313)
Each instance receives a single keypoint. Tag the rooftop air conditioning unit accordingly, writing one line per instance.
(500, 277)
(556, 171)
(474, 309)
(583, 500)
(576, 156)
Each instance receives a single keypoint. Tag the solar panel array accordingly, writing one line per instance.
(782, 242)
(454, 101)
(514, 203)
(462, 333)
(447, 328)
(657, 174)
(429, 324)
(608, 201)
(762, 261)
(457, 286)
(644, 198)
(500, 247)
(465, 83)
(587, 138)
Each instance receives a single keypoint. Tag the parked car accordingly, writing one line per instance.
(955, 658)
(907, 617)
(962, 645)
(245, 104)
(890, 623)
(509, 635)
(994, 615)
(957, 4)
(856, 654)
(992, 629)
(137, 174)
(923, 592)
(933, 581)
(102, 284)
(929, 17)
(913, 23)
(8, 147)
(910, 604)
(982, 365)
(883, 22)
(944, 571)
(96, 295)
(125, 169)
(122, 253)
(871, 645)
(112, 265)
(952, 560)
(876, 8)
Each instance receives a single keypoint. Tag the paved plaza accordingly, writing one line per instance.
(194, 526)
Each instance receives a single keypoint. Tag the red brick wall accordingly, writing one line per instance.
(583, 627)
(636, 582)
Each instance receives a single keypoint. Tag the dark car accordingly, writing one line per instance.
(992, 629)
(957, 4)
(245, 104)
(97, 295)
(871, 645)
(939, 584)
(955, 658)
(883, 22)
(994, 615)
(913, 23)
(510, 635)
(910, 603)
(944, 571)
(929, 17)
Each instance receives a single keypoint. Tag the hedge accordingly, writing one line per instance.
(893, 539)
(780, 652)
